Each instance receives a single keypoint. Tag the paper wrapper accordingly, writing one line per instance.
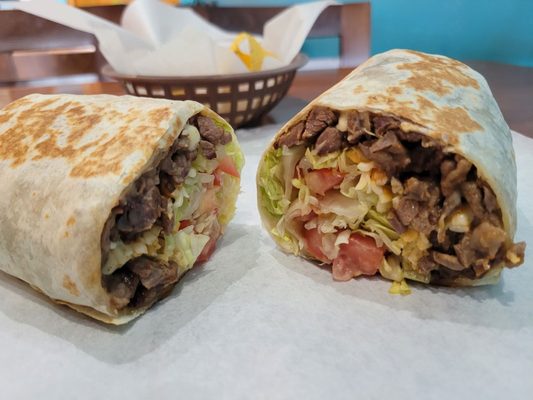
(255, 323)
(156, 39)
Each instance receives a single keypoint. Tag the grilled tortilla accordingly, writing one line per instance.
(107, 201)
(405, 167)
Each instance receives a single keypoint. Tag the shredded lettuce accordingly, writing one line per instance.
(270, 185)
(226, 197)
(201, 163)
(233, 150)
(286, 240)
(329, 160)
(183, 247)
(188, 196)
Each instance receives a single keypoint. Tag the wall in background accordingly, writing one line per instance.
(494, 30)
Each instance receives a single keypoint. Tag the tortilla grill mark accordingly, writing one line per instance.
(424, 112)
(35, 123)
(5, 116)
(30, 126)
(70, 285)
(437, 75)
(71, 221)
(159, 114)
(358, 89)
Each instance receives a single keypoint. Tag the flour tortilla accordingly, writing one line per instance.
(65, 161)
(435, 96)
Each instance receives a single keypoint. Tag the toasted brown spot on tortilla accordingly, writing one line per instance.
(70, 286)
(158, 115)
(71, 221)
(5, 116)
(46, 216)
(426, 104)
(49, 129)
(436, 74)
(358, 89)
(457, 120)
(66, 234)
(395, 90)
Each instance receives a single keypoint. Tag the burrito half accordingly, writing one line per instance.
(405, 167)
(107, 201)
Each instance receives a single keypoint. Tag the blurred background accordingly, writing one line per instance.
(493, 36)
(488, 30)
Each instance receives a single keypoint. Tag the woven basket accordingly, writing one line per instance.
(239, 98)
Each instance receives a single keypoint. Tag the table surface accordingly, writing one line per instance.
(512, 87)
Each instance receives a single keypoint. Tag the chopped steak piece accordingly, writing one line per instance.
(415, 137)
(407, 210)
(146, 297)
(487, 239)
(517, 249)
(424, 159)
(472, 194)
(387, 152)
(293, 136)
(167, 185)
(453, 174)
(383, 124)
(418, 207)
(121, 285)
(207, 149)
(388, 142)
(153, 273)
(212, 132)
(416, 189)
(395, 222)
(357, 124)
(425, 221)
(451, 202)
(177, 166)
(318, 119)
(329, 141)
(489, 199)
(447, 260)
(465, 252)
(142, 207)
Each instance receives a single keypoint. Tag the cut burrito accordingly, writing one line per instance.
(405, 167)
(107, 201)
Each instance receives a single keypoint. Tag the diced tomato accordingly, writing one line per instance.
(360, 256)
(185, 223)
(208, 249)
(218, 178)
(321, 180)
(313, 242)
(227, 165)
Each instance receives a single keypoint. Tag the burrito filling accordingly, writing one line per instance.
(354, 190)
(173, 215)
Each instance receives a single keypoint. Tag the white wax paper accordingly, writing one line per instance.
(156, 39)
(255, 323)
